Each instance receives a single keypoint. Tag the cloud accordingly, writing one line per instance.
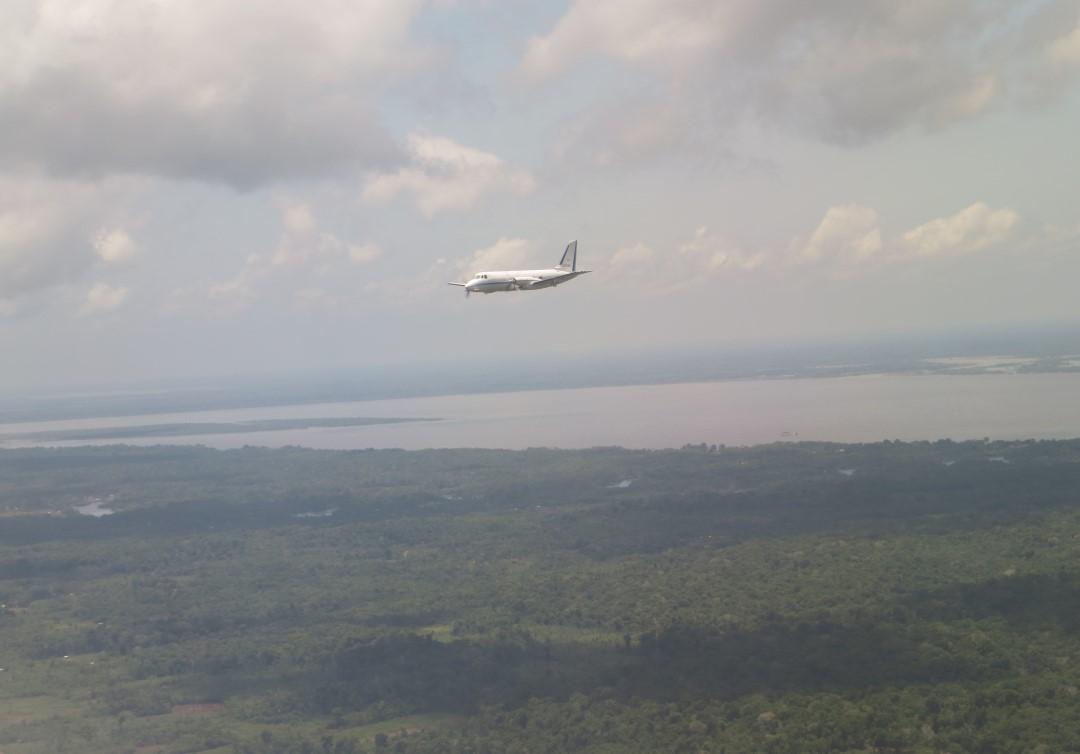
(972, 229)
(699, 261)
(103, 298)
(115, 246)
(849, 239)
(1052, 39)
(710, 253)
(297, 219)
(364, 253)
(850, 235)
(504, 254)
(444, 175)
(317, 301)
(227, 296)
(849, 232)
(631, 260)
(844, 71)
(1065, 50)
(306, 261)
(614, 132)
(45, 233)
(304, 244)
(646, 30)
(214, 90)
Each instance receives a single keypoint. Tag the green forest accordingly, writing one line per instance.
(789, 598)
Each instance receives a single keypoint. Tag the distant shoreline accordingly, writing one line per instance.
(852, 408)
(364, 388)
(198, 428)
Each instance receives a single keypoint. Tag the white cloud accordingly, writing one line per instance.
(364, 253)
(215, 90)
(45, 233)
(1065, 50)
(304, 262)
(969, 102)
(849, 233)
(303, 244)
(23, 227)
(444, 175)
(297, 218)
(504, 254)
(848, 240)
(227, 296)
(115, 246)
(845, 71)
(103, 298)
(972, 229)
(631, 260)
(642, 30)
(317, 301)
(699, 261)
(611, 133)
(709, 253)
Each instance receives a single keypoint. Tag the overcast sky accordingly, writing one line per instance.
(224, 187)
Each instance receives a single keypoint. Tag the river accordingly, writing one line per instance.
(742, 412)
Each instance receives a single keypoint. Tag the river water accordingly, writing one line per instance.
(848, 409)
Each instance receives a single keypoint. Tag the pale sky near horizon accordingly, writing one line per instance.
(224, 187)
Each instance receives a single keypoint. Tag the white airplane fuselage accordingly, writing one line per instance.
(498, 281)
(518, 280)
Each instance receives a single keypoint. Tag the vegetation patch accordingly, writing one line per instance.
(730, 600)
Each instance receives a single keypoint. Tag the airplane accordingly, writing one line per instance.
(526, 280)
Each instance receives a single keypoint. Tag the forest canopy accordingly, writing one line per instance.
(809, 597)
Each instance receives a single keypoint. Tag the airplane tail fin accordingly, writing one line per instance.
(569, 258)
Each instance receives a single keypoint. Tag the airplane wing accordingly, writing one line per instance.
(549, 282)
(527, 282)
(462, 285)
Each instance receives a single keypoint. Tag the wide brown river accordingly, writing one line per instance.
(847, 409)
